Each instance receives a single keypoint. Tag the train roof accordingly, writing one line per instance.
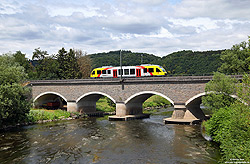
(130, 65)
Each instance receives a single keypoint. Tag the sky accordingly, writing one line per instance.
(157, 27)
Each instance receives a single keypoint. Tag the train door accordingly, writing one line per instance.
(115, 73)
(138, 72)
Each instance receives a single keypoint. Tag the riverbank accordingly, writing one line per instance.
(37, 116)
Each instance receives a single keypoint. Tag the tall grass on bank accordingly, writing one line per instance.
(43, 114)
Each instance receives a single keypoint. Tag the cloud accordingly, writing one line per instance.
(158, 27)
(149, 2)
(216, 9)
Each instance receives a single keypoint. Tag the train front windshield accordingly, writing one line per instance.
(162, 69)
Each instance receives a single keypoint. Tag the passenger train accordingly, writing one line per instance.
(128, 71)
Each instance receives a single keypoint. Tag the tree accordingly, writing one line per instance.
(68, 66)
(13, 97)
(10, 71)
(84, 62)
(26, 63)
(237, 59)
(47, 66)
(39, 55)
(219, 91)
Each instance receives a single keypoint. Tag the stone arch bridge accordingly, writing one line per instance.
(184, 93)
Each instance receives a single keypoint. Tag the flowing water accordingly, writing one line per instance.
(97, 140)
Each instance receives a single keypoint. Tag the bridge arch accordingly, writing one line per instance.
(196, 98)
(147, 95)
(134, 102)
(94, 93)
(46, 97)
(193, 104)
(87, 102)
(199, 96)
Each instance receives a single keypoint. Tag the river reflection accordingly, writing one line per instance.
(102, 141)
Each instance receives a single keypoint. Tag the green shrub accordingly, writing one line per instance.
(13, 97)
(105, 104)
(230, 122)
(230, 127)
(219, 90)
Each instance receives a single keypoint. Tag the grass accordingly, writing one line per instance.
(44, 114)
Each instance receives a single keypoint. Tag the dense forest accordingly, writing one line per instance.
(74, 64)
(189, 62)
(181, 62)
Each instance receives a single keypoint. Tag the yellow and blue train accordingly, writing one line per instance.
(128, 71)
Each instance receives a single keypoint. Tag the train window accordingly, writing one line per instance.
(119, 71)
(126, 71)
(99, 72)
(104, 71)
(158, 70)
(109, 71)
(93, 72)
(132, 71)
(151, 70)
(145, 70)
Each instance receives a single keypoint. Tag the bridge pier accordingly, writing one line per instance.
(186, 114)
(179, 112)
(194, 112)
(125, 112)
(72, 106)
(121, 109)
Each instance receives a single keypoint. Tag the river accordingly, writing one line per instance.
(97, 140)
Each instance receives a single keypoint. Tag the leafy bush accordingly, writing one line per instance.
(230, 127)
(105, 104)
(13, 97)
(230, 122)
(219, 90)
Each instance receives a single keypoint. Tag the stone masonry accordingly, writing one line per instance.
(128, 94)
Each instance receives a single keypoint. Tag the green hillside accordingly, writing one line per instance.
(112, 58)
(189, 62)
(181, 62)
(73, 64)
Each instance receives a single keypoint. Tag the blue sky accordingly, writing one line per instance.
(158, 27)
